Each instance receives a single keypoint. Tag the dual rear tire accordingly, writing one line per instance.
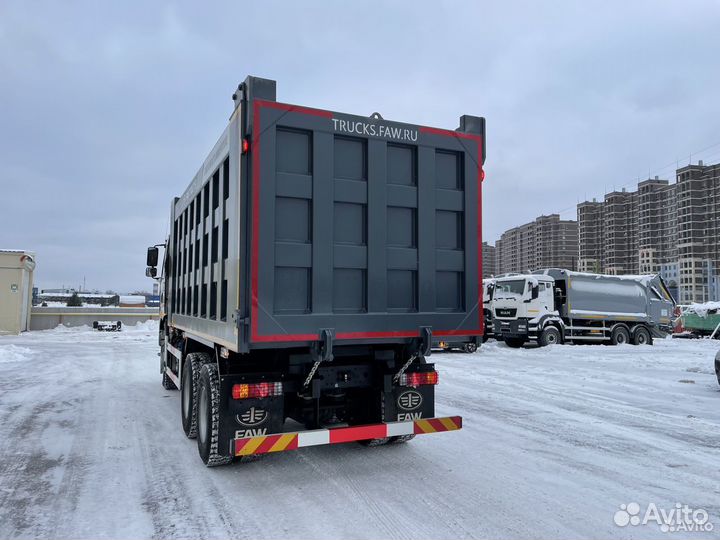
(208, 417)
(395, 439)
(189, 391)
(167, 382)
(621, 335)
(200, 406)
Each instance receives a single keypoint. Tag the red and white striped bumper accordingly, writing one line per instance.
(281, 442)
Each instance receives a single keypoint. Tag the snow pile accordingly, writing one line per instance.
(645, 279)
(702, 309)
(147, 326)
(62, 329)
(14, 353)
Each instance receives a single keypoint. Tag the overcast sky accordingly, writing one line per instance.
(107, 112)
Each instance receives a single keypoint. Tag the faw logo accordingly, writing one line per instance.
(252, 417)
(245, 433)
(403, 417)
(409, 400)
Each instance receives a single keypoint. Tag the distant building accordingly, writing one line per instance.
(132, 301)
(698, 232)
(657, 215)
(671, 229)
(590, 236)
(63, 295)
(489, 260)
(547, 242)
(620, 233)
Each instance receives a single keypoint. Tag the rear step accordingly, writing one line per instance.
(281, 442)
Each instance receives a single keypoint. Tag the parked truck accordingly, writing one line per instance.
(556, 306)
(311, 261)
(471, 345)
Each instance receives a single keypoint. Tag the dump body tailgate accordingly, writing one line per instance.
(368, 228)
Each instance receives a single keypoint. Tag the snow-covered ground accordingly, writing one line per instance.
(554, 441)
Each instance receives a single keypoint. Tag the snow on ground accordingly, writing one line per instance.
(554, 440)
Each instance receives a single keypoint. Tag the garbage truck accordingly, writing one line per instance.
(555, 306)
(310, 263)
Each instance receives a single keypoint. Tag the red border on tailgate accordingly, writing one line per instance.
(255, 306)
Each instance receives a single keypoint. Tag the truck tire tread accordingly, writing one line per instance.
(210, 381)
(194, 362)
(550, 336)
(167, 382)
(375, 442)
(641, 336)
(618, 331)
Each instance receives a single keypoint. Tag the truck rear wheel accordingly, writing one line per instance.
(375, 442)
(470, 347)
(641, 336)
(188, 396)
(399, 439)
(620, 336)
(550, 336)
(514, 343)
(167, 382)
(208, 416)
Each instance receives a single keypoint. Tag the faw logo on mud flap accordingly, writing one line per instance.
(409, 400)
(409, 416)
(245, 433)
(252, 417)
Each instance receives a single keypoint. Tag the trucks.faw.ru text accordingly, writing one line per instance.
(310, 263)
(556, 306)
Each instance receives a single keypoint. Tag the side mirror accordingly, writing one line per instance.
(152, 256)
(151, 271)
(535, 292)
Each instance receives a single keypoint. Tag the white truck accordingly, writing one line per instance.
(555, 306)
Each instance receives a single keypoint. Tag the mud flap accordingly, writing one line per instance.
(404, 403)
(243, 418)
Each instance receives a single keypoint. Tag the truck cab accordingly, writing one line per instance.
(488, 299)
(520, 303)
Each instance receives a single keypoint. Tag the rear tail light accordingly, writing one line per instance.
(257, 390)
(419, 379)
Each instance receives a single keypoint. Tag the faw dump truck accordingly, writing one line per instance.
(555, 306)
(310, 263)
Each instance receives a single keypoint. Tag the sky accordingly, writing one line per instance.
(107, 110)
